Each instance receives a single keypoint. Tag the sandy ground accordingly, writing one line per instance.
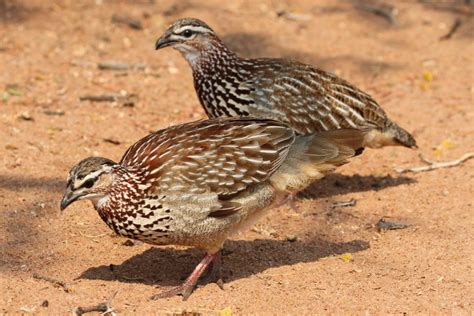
(292, 262)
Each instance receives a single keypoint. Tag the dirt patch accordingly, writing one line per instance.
(293, 261)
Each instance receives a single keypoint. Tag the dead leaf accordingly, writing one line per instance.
(225, 312)
(427, 76)
(346, 257)
(445, 144)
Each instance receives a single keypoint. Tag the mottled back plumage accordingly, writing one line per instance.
(308, 99)
(195, 184)
(224, 157)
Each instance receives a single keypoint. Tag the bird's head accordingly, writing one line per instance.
(89, 179)
(189, 36)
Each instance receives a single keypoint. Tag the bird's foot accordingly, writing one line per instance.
(188, 286)
(184, 290)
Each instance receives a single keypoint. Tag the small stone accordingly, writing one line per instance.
(25, 116)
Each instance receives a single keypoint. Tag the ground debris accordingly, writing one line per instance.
(25, 116)
(432, 165)
(381, 9)
(56, 282)
(132, 23)
(291, 16)
(10, 147)
(27, 309)
(457, 23)
(383, 225)
(13, 89)
(124, 99)
(351, 202)
(112, 65)
(346, 257)
(99, 98)
(54, 112)
(112, 141)
(291, 238)
(132, 242)
(104, 308)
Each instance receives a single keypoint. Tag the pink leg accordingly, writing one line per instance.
(215, 272)
(291, 199)
(188, 286)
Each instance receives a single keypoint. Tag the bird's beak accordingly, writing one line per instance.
(164, 41)
(68, 198)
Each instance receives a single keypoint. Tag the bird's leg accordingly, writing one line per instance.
(215, 272)
(188, 286)
(291, 200)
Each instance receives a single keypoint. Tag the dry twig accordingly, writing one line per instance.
(99, 98)
(291, 16)
(382, 225)
(351, 202)
(112, 65)
(452, 30)
(54, 112)
(112, 141)
(104, 308)
(124, 99)
(383, 10)
(127, 20)
(56, 282)
(436, 165)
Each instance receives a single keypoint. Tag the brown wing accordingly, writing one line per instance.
(221, 156)
(309, 99)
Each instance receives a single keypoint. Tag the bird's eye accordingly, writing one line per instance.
(187, 33)
(88, 184)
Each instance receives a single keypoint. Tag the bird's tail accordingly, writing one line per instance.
(311, 156)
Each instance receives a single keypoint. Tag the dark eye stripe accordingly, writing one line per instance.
(88, 184)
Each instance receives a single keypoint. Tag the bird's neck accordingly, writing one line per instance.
(213, 57)
(123, 191)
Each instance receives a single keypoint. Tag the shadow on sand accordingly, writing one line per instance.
(241, 259)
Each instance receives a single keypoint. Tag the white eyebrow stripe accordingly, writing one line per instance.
(197, 29)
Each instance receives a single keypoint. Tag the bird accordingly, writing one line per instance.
(304, 97)
(198, 183)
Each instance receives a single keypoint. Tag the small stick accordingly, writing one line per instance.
(383, 11)
(426, 160)
(110, 65)
(382, 225)
(129, 21)
(293, 16)
(351, 202)
(60, 283)
(112, 141)
(51, 112)
(99, 98)
(453, 30)
(123, 99)
(105, 308)
(437, 165)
